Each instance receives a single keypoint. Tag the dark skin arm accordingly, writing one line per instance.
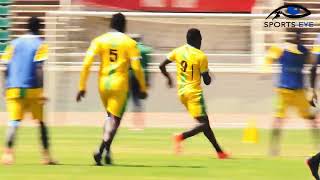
(206, 78)
(313, 80)
(39, 73)
(313, 76)
(312, 59)
(164, 71)
(80, 95)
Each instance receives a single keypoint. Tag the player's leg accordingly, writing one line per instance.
(313, 164)
(36, 108)
(305, 112)
(98, 154)
(194, 103)
(304, 109)
(110, 129)
(196, 107)
(138, 120)
(103, 144)
(15, 110)
(276, 136)
(116, 104)
(283, 100)
(201, 126)
(109, 135)
(210, 135)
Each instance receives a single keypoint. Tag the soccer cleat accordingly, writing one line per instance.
(107, 159)
(177, 139)
(223, 155)
(274, 152)
(97, 158)
(314, 167)
(47, 159)
(49, 162)
(7, 157)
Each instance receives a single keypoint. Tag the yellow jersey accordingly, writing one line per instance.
(117, 53)
(190, 63)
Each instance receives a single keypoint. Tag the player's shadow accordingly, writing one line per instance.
(157, 166)
(137, 165)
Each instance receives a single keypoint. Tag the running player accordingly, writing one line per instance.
(290, 87)
(192, 64)
(138, 118)
(24, 86)
(117, 52)
(314, 161)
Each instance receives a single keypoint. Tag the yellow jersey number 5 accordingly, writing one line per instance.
(113, 54)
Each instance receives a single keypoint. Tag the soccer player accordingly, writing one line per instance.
(290, 87)
(138, 119)
(192, 64)
(24, 86)
(314, 161)
(117, 53)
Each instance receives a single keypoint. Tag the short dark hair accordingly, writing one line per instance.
(118, 22)
(193, 35)
(35, 24)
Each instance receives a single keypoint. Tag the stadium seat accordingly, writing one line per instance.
(2, 47)
(4, 10)
(4, 23)
(4, 35)
(5, 2)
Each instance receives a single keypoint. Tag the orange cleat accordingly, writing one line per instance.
(177, 139)
(223, 155)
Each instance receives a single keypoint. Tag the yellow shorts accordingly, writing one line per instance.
(292, 98)
(21, 100)
(194, 102)
(114, 101)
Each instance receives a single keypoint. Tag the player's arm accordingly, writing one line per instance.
(204, 70)
(163, 67)
(147, 60)
(5, 58)
(313, 80)
(313, 71)
(312, 58)
(273, 54)
(134, 56)
(87, 62)
(39, 58)
(164, 71)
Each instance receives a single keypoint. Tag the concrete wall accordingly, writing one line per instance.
(166, 33)
(229, 93)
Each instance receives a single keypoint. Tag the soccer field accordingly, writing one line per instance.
(148, 155)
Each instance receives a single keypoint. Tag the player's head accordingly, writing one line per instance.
(194, 37)
(118, 22)
(34, 25)
(297, 37)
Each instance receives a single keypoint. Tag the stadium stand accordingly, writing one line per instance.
(4, 23)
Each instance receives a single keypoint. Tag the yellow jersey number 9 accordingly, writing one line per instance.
(184, 66)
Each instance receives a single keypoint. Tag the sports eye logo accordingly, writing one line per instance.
(290, 11)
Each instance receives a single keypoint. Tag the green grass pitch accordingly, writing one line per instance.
(148, 155)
